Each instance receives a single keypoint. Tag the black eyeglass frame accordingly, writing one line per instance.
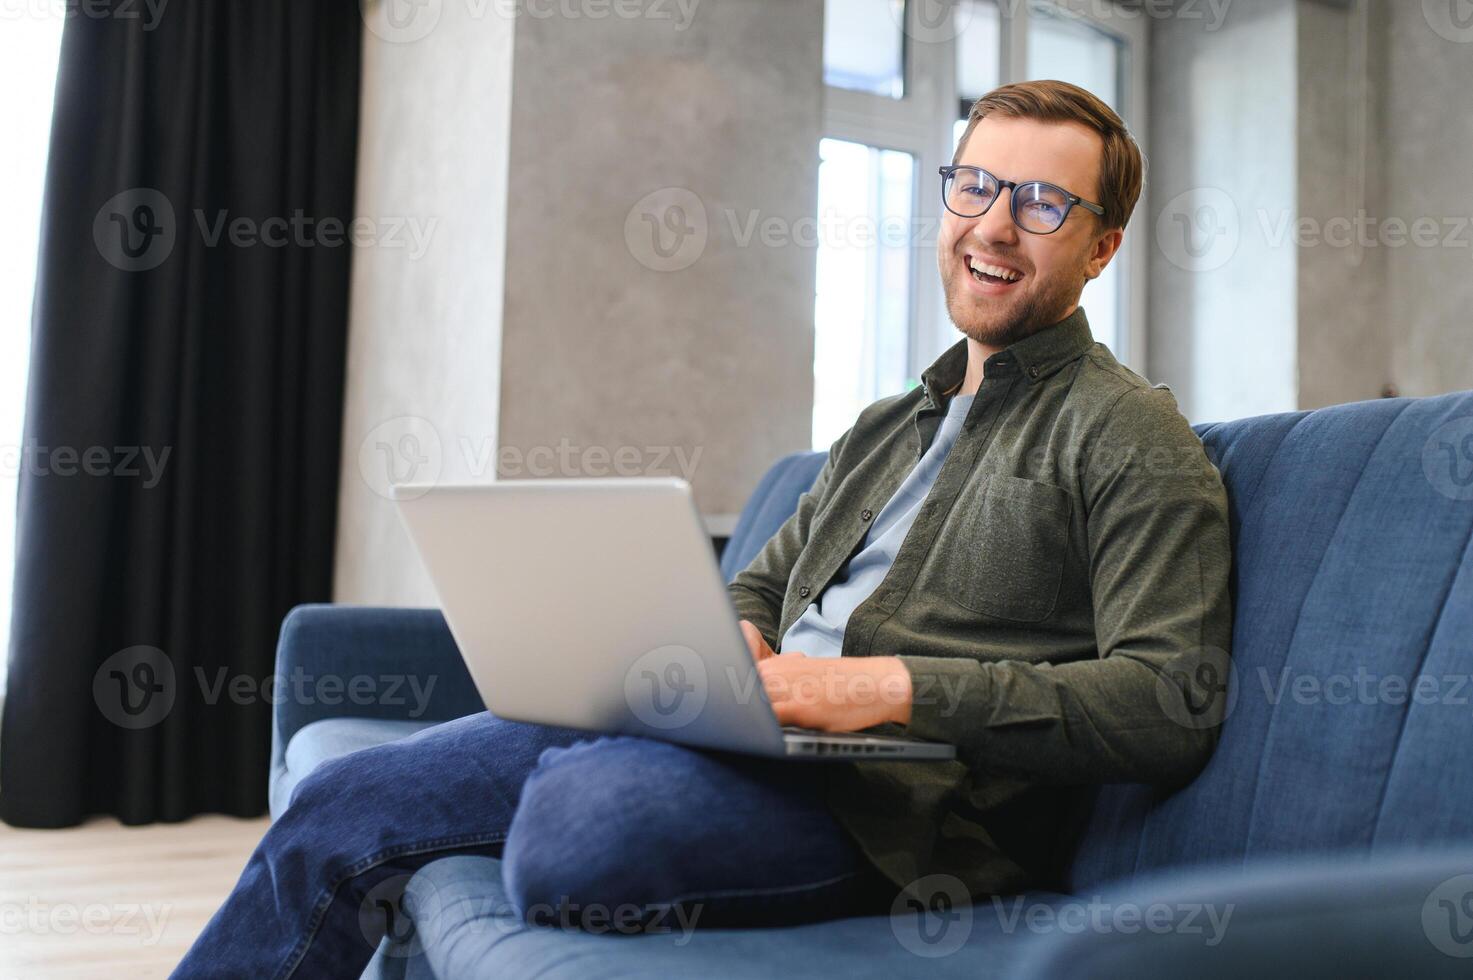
(947, 173)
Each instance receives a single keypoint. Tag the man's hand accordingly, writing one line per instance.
(842, 694)
(755, 643)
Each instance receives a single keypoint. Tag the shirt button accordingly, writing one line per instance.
(1033, 371)
(865, 515)
(803, 591)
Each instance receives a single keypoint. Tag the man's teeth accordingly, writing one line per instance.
(997, 272)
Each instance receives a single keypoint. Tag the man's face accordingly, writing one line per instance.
(1054, 267)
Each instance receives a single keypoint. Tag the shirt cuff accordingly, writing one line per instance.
(946, 693)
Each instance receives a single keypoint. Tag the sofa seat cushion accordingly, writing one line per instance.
(468, 929)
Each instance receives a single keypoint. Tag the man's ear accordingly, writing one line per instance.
(1104, 250)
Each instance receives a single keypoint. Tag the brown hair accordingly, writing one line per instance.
(1122, 166)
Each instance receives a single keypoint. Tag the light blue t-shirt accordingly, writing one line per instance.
(819, 632)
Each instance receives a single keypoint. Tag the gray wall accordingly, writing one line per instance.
(607, 346)
(1342, 340)
(1310, 128)
(424, 329)
(1222, 296)
(545, 332)
(1424, 79)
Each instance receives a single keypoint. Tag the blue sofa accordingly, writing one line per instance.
(1330, 835)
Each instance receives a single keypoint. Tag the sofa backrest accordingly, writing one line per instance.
(774, 501)
(1351, 687)
(1350, 698)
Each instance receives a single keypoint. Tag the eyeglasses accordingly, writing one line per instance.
(1038, 207)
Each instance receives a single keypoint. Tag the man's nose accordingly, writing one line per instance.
(997, 224)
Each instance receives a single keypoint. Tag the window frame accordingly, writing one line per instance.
(920, 123)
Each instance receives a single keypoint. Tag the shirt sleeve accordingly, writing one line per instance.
(757, 591)
(1149, 706)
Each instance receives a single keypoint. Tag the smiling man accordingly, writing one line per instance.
(1026, 557)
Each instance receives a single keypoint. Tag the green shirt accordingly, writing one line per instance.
(1061, 603)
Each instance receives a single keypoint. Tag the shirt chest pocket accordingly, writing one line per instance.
(1002, 550)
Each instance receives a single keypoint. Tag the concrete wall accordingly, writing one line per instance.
(549, 329)
(1342, 336)
(1424, 75)
(424, 329)
(653, 326)
(1222, 297)
(1324, 132)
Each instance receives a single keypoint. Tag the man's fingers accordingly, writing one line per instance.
(755, 643)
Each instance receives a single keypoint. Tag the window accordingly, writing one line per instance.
(28, 51)
(900, 78)
(862, 309)
(863, 46)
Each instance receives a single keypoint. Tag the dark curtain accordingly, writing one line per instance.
(180, 464)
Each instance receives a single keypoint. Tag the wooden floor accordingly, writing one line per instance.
(115, 902)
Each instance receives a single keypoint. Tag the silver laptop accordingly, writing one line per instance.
(599, 605)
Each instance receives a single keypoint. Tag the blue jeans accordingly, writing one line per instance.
(579, 821)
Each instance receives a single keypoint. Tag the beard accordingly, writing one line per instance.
(1000, 323)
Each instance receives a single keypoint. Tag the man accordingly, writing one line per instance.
(1026, 557)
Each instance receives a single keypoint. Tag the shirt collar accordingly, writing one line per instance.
(1035, 357)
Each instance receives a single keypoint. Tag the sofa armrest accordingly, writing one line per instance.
(1404, 913)
(368, 662)
(363, 662)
